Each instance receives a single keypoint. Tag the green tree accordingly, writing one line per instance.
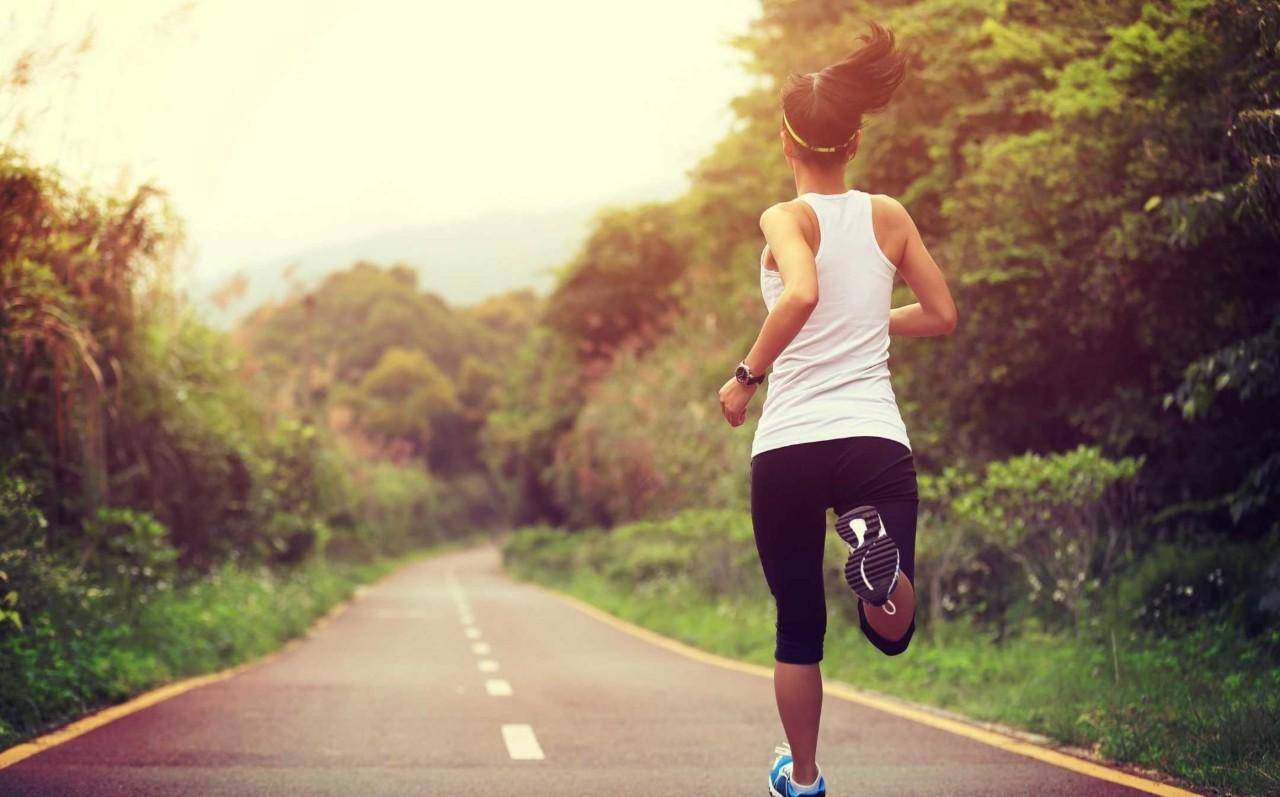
(405, 397)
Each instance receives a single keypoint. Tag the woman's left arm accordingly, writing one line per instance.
(783, 228)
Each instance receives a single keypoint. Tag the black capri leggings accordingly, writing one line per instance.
(791, 490)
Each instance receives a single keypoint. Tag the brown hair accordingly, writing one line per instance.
(825, 108)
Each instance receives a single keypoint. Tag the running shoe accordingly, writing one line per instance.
(780, 782)
(873, 566)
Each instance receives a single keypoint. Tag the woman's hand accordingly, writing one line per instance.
(734, 398)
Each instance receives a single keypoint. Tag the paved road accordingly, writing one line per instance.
(401, 695)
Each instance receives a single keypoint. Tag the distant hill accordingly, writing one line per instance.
(463, 262)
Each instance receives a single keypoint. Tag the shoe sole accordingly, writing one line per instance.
(873, 566)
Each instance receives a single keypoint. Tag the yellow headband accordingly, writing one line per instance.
(809, 146)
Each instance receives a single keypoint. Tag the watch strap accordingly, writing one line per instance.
(752, 379)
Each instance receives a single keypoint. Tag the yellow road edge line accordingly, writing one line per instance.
(845, 692)
(23, 751)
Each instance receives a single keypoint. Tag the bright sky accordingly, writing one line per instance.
(279, 124)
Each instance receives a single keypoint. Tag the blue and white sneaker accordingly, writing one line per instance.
(780, 782)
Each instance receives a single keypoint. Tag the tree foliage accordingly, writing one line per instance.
(415, 376)
(133, 452)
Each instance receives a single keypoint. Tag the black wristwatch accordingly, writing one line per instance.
(744, 376)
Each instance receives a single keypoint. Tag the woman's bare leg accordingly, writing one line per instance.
(798, 687)
(893, 626)
(798, 690)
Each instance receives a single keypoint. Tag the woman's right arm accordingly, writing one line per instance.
(935, 312)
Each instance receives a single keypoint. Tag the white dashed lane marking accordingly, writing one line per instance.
(522, 745)
(459, 599)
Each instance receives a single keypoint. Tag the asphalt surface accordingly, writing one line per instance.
(389, 698)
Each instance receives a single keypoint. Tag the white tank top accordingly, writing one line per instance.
(832, 381)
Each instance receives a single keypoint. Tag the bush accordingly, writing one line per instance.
(22, 530)
(127, 552)
(1175, 588)
(542, 549)
(293, 538)
(392, 505)
(961, 571)
(1064, 519)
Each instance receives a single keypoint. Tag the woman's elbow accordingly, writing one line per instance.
(947, 321)
(804, 298)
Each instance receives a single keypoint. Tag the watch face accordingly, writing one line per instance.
(742, 375)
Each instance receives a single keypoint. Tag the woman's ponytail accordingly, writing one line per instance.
(823, 110)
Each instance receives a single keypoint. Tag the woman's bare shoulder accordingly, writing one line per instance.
(887, 208)
(791, 210)
(892, 225)
(792, 216)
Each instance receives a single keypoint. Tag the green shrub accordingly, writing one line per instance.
(127, 552)
(1176, 587)
(542, 549)
(1064, 519)
(293, 537)
(962, 572)
(22, 550)
(393, 509)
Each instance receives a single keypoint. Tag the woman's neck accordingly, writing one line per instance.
(818, 181)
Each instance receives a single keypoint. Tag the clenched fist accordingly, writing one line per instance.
(734, 398)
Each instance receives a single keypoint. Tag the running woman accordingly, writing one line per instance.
(830, 435)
